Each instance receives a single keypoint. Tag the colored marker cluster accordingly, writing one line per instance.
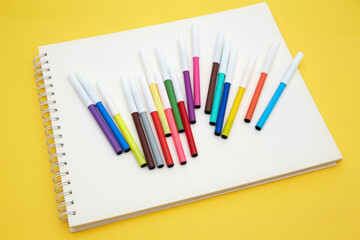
(220, 82)
(165, 102)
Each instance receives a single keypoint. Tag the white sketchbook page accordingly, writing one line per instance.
(105, 185)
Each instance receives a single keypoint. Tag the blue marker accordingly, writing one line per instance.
(284, 82)
(104, 113)
(220, 82)
(225, 92)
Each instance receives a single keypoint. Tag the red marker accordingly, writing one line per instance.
(184, 116)
(156, 120)
(264, 73)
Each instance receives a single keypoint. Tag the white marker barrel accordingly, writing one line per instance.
(107, 98)
(88, 88)
(248, 71)
(291, 70)
(231, 66)
(136, 95)
(147, 67)
(176, 84)
(224, 57)
(219, 46)
(183, 55)
(80, 90)
(162, 63)
(162, 90)
(128, 95)
(270, 57)
(195, 40)
(147, 94)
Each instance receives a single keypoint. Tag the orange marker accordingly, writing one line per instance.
(264, 73)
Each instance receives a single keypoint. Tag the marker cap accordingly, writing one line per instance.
(219, 46)
(248, 71)
(224, 57)
(176, 84)
(128, 95)
(107, 98)
(136, 95)
(147, 94)
(162, 90)
(162, 63)
(291, 70)
(270, 57)
(88, 88)
(195, 40)
(80, 90)
(183, 55)
(231, 66)
(147, 68)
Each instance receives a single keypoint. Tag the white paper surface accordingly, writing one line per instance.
(105, 185)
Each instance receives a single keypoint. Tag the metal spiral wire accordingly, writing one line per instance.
(54, 147)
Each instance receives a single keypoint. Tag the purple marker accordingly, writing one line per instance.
(100, 121)
(187, 81)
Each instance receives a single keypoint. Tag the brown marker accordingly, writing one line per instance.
(211, 90)
(139, 128)
(143, 141)
(214, 72)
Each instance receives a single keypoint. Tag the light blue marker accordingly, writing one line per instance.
(220, 82)
(284, 82)
(104, 113)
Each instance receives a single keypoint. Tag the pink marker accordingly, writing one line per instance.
(170, 118)
(196, 65)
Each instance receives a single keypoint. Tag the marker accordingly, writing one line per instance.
(136, 118)
(156, 120)
(196, 65)
(170, 118)
(225, 93)
(155, 92)
(186, 74)
(264, 73)
(243, 85)
(104, 113)
(116, 115)
(145, 122)
(214, 72)
(100, 121)
(184, 116)
(169, 89)
(220, 82)
(284, 82)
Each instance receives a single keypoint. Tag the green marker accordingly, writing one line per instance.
(169, 89)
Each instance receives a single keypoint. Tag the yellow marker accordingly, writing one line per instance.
(232, 114)
(130, 140)
(125, 131)
(247, 74)
(155, 92)
(160, 108)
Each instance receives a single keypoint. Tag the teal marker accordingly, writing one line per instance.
(220, 82)
(284, 82)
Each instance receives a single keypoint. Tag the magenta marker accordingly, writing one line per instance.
(100, 121)
(187, 81)
(196, 65)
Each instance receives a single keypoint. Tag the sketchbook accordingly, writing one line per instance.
(96, 186)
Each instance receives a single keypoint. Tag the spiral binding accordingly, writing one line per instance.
(48, 110)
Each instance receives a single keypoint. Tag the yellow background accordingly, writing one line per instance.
(320, 205)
